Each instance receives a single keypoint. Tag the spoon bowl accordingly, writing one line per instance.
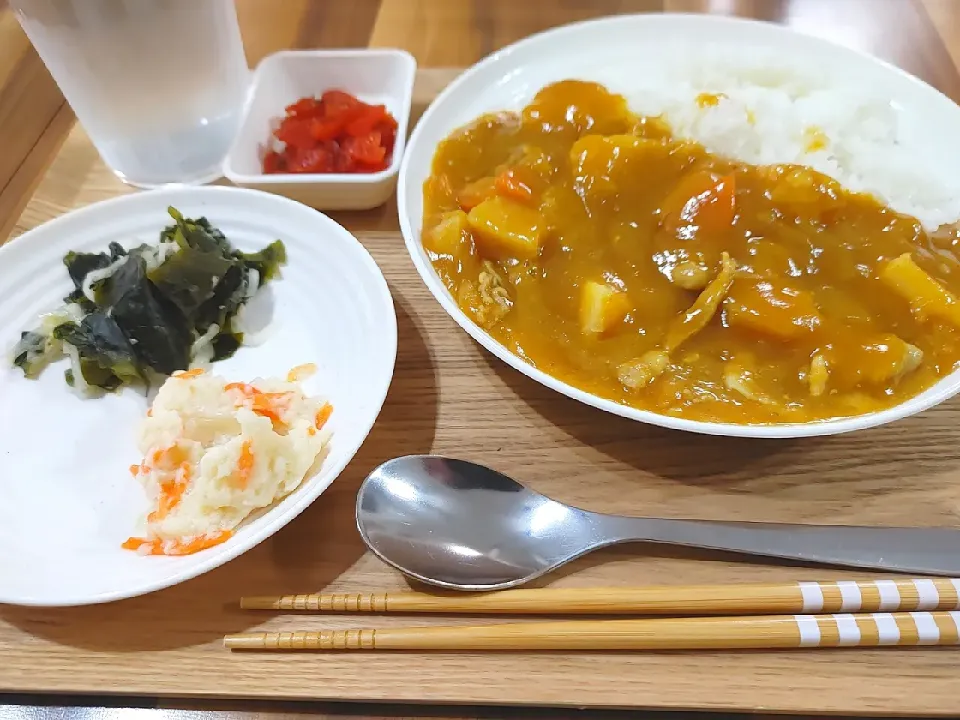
(463, 526)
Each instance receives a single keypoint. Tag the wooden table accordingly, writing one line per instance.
(922, 36)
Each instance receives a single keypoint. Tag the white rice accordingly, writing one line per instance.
(772, 110)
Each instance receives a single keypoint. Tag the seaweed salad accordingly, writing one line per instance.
(136, 316)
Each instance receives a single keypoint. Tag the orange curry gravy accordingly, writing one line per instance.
(646, 270)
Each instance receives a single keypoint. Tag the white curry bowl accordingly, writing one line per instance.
(593, 50)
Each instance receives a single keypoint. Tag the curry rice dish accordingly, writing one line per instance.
(629, 262)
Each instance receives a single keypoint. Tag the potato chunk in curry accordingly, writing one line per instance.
(602, 307)
(644, 269)
(505, 229)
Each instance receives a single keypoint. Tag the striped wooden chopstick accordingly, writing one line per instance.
(702, 633)
(736, 599)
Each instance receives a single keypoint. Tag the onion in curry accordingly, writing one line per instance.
(639, 267)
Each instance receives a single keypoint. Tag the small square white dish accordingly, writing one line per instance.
(380, 77)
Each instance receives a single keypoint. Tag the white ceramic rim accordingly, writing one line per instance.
(944, 389)
(257, 533)
(406, 100)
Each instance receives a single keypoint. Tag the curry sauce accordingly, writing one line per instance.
(613, 256)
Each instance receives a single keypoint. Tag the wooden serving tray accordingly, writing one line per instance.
(451, 397)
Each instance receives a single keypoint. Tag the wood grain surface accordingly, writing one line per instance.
(450, 397)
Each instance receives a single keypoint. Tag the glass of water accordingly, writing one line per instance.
(159, 85)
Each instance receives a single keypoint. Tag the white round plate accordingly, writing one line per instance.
(67, 500)
(600, 50)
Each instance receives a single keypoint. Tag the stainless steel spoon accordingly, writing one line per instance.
(466, 527)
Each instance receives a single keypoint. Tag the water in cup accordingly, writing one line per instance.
(158, 85)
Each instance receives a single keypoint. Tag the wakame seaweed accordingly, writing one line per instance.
(190, 278)
(30, 353)
(162, 333)
(107, 359)
(151, 310)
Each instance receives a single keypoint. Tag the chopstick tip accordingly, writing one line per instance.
(259, 603)
(244, 641)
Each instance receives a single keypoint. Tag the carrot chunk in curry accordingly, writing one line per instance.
(640, 267)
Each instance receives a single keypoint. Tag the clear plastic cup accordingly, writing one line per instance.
(159, 85)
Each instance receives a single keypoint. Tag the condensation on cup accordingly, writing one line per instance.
(158, 85)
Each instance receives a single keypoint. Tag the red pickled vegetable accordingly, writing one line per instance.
(304, 107)
(325, 128)
(294, 131)
(274, 162)
(319, 159)
(367, 121)
(336, 133)
(366, 150)
(337, 103)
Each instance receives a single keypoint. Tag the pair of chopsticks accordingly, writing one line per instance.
(861, 613)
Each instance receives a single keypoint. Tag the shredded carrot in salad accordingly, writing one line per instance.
(183, 546)
(171, 492)
(241, 478)
(241, 387)
(323, 415)
(301, 372)
(187, 374)
(271, 405)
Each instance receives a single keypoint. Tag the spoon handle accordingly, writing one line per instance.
(930, 551)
